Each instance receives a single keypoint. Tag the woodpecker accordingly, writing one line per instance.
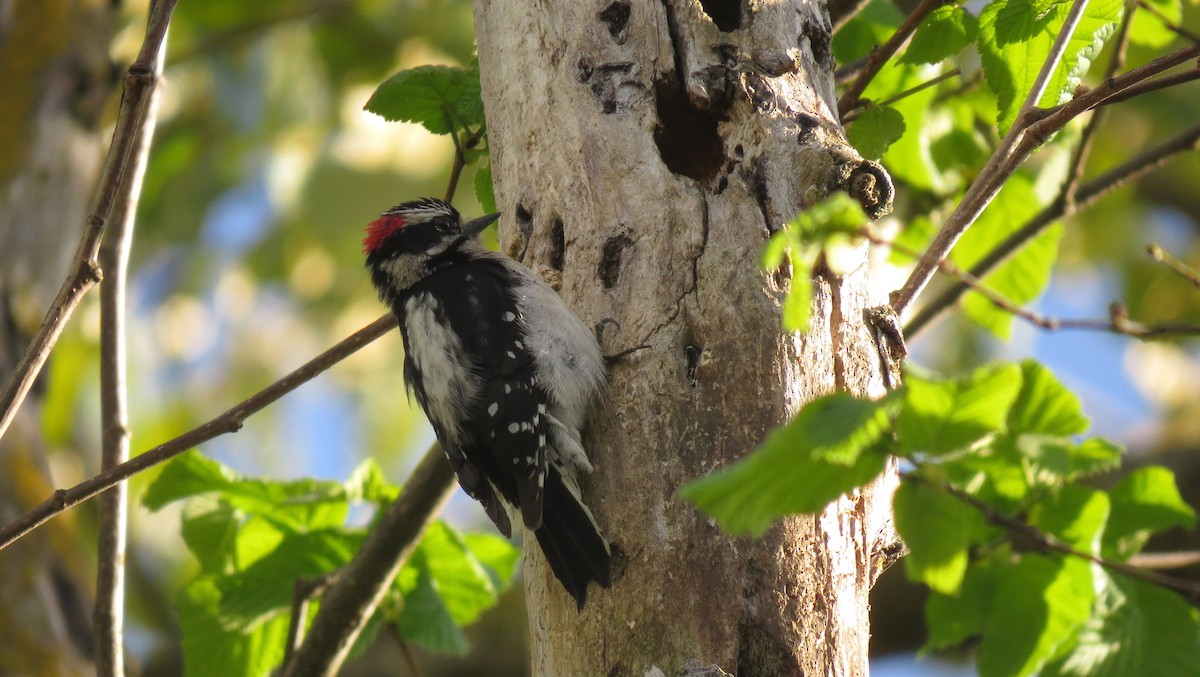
(504, 371)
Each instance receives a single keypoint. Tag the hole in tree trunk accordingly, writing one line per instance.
(726, 14)
(558, 243)
(610, 259)
(616, 16)
(686, 136)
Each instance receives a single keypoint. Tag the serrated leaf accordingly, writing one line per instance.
(945, 32)
(939, 417)
(1044, 405)
(791, 472)
(1135, 629)
(937, 528)
(484, 191)
(875, 129)
(1015, 37)
(1040, 603)
(1075, 514)
(211, 650)
(443, 99)
(1094, 455)
(1145, 501)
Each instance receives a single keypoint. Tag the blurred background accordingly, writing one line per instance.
(246, 263)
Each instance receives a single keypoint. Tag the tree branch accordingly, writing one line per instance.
(113, 254)
(1086, 195)
(879, 56)
(139, 84)
(1032, 127)
(361, 584)
(228, 422)
(1183, 270)
(1190, 590)
(999, 167)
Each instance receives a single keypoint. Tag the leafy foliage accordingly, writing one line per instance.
(992, 456)
(254, 539)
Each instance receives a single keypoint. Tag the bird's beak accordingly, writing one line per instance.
(474, 228)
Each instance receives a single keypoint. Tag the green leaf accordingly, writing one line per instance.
(1015, 37)
(302, 503)
(945, 32)
(443, 99)
(1150, 31)
(1040, 603)
(210, 649)
(1144, 502)
(1075, 514)
(484, 192)
(265, 588)
(367, 483)
(1095, 455)
(939, 417)
(953, 619)
(792, 471)
(1024, 276)
(209, 529)
(498, 556)
(1044, 405)
(874, 129)
(460, 578)
(797, 304)
(1135, 629)
(426, 620)
(937, 528)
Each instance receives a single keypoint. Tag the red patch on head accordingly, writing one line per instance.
(379, 230)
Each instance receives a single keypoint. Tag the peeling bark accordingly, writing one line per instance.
(647, 149)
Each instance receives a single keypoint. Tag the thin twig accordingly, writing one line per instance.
(113, 255)
(852, 115)
(1033, 127)
(1170, 25)
(1048, 542)
(362, 583)
(1085, 196)
(879, 56)
(303, 591)
(1187, 272)
(228, 422)
(1084, 147)
(1118, 321)
(1166, 560)
(85, 271)
(1153, 85)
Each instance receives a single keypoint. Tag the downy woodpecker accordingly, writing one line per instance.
(505, 372)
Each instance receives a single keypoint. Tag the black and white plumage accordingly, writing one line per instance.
(505, 372)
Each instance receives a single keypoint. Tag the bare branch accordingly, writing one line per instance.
(995, 172)
(1027, 533)
(1086, 195)
(1187, 272)
(1166, 560)
(361, 584)
(228, 422)
(303, 591)
(113, 254)
(879, 56)
(850, 116)
(139, 84)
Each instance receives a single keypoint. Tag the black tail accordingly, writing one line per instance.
(574, 547)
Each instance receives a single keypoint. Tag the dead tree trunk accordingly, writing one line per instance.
(647, 149)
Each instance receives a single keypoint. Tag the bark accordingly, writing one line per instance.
(643, 151)
(57, 76)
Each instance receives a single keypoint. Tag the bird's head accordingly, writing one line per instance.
(422, 228)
